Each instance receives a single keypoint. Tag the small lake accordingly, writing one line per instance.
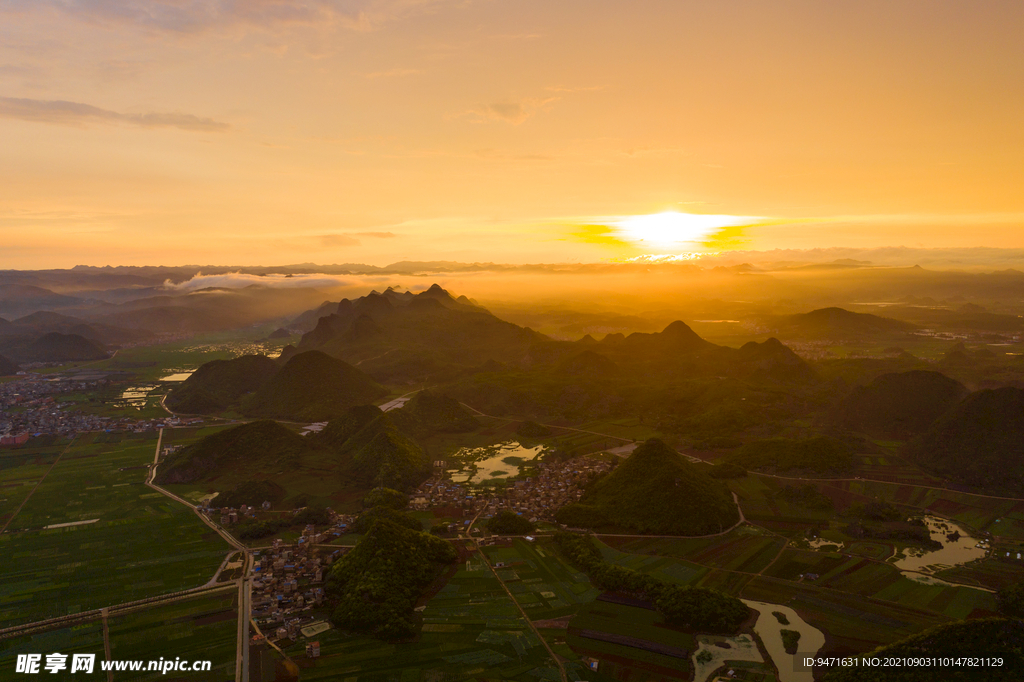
(741, 648)
(769, 629)
(503, 460)
(135, 396)
(179, 376)
(953, 552)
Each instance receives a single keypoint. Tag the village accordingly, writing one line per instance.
(31, 406)
(536, 497)
(287, 585)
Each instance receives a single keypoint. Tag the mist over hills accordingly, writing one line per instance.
(53, 347)
(837, 323)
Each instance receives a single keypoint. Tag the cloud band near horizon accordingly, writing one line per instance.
(63, 112)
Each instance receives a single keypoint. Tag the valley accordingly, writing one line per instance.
(754, 473)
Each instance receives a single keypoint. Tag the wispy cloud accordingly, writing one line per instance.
(393, 73)
(509, 111)
(499, 155)
(578, 88)
(197, 16)
(239, 280)
(331, 241)
(336, 239)
(79, 114)
(376, 235)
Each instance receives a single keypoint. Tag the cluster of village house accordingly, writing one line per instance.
(29, 407)
(287, 579)
(287, 584)
(537, 497)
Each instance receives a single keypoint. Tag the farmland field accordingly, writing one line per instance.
(203, 628)
(471, 628)
(134, 542)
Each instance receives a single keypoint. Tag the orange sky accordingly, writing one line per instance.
(265, 131)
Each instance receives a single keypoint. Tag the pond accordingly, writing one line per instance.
(955, 551)
(499, 461)
(135, 396)
(741, 648)
(825, 544)
(178, 376)
(769, 629)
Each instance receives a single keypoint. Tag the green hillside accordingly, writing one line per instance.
(422, 337)
(312, 387)
(427, 413)
(373, 451)
(820, 455)
(987, 638)
(262, 442)
(374, 588)
(656, 491)
(219, 384)
(979, 442)
(7, 366)
(57, 347)
(899, 405)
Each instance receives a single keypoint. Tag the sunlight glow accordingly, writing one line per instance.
(666, 257)
(671, 228)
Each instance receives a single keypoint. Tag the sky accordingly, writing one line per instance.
(372, 131)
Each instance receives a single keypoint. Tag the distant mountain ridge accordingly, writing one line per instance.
(405, 336)
(837, 323)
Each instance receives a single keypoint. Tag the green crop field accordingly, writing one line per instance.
(140, 544)
(544, 585)
(746, 549)
(635, 638)
(20, 470)
(470, 629)
(201, 629)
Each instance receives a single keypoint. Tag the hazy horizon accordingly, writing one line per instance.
(375, 131)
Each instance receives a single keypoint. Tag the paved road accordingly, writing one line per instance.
(244, 584)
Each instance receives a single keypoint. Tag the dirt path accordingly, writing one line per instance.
(36, 486)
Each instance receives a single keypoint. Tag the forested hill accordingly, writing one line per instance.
(655, 491)
(979, 442)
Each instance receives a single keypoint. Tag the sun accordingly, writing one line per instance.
(671, 228)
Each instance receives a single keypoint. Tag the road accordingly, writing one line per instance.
(244, 583)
